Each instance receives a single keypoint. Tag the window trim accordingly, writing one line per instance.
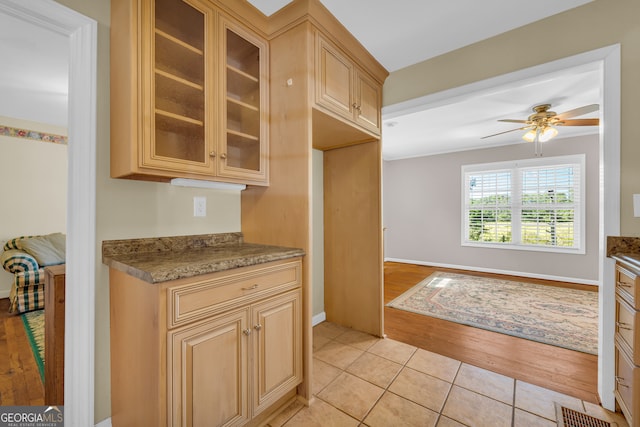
(516, 165)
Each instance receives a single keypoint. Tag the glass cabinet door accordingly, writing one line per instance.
(243, 153)
(179, 86)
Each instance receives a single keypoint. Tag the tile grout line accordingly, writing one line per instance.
(404, 366)
(513, 404)
(440, 415)
(384, 390)
(390, 382)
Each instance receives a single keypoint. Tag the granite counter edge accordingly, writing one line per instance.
(200, 268)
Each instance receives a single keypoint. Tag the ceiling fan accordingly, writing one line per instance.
(541, 124)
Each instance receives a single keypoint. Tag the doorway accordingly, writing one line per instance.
(608, 59)
(79, 340)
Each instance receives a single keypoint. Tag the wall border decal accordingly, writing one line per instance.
(32, 135)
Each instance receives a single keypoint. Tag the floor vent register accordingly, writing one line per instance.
(572, 418)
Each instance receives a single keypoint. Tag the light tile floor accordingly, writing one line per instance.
(361, 380)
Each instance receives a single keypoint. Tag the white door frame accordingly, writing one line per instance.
(81, 211)
(608, 59)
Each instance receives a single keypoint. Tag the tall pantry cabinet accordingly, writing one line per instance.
(326, 94)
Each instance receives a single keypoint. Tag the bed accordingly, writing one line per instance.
(26, 257)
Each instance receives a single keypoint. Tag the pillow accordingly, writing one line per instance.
(16, 261)
(47, 250)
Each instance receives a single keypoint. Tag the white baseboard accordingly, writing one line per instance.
(497, 271)
(318, 318)
(104, 423)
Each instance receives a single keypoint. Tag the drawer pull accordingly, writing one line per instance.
(251, 288)
(621, 325)
(619, 381)
(624, 285)
(257, 327)
(247, 332)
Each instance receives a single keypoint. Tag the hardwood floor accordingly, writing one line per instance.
(20, 382)
(566, 371)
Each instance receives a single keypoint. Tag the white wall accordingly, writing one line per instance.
(34, 186)
(422, 213)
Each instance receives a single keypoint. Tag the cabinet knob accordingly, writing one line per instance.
(356, 106)
(257, 327)
(247, 331)
(223, 155)
(212, 154)
(251, 288)
(624, 285)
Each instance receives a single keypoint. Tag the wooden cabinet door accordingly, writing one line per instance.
(368, 102)
(277, 348)
(627, 385)
(176, 86)
(343, 88)
(207, 382)
(334, 79)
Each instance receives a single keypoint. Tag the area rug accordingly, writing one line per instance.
(34, 325)
(553, 315)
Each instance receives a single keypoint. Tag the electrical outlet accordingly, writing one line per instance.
(199, 206)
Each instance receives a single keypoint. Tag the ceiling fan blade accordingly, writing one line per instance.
(513, 121)
(578, 111)
(579, 122)
(512, 130)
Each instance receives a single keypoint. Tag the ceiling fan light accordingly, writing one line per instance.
(530, 136)
(548, 133)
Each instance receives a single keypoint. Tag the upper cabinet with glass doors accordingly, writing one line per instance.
(188, 94)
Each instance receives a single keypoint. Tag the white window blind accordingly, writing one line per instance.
(532, 204)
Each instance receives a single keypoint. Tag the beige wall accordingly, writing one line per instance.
(422, 195)
(317, 250)
(34, 177)
(594, 25)
(128, 209)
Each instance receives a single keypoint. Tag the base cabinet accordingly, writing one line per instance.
(627, 349)
(217, 350)
(214, 363)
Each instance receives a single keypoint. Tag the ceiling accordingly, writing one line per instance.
(443, 26)
(461, 123)
(34, 72)
(33, 77)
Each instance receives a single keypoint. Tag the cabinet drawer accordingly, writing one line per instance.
(628, 286)
(626, 387)
(628, 329)
(188, 303)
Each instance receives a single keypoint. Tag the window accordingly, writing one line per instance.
(534, 204)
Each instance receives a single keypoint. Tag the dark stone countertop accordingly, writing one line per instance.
(624, 249)
(161, 259)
